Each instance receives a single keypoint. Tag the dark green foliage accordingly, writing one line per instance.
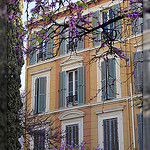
(3, 84)
(14, 65)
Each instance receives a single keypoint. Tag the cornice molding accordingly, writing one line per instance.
(40, 70)
(71, 114)
(101, 111)
(71, 60)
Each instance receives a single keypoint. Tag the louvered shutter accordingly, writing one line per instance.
(62, 89)
(117, 24)
(36, 95)
(111, 24)
(138, 71)
(110, 134)
(49, 46)
(81, 85)
(96, 33)
(140, 130)
(62, 45)
(80, 44)
(32, 43)
(42, 95)
(111, 76)
(103, 79)
(72, 134)
(104, 21)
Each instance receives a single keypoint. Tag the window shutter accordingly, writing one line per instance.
(80, 85)
(138, 71)
(49, 46)
(111, 25)
(111, 76)
(62, 46)
(62, 89)
(36, 95)
(140, 130)
(42, 95)
(110, 134)
(80, 44)
(105, 20)
(117, 24)
(32, 43)
(96, 34)
(103, 79)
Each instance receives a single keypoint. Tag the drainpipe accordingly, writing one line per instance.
(132, 108)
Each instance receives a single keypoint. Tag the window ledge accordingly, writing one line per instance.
(101, 111)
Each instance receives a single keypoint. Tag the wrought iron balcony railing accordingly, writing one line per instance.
(72, 100)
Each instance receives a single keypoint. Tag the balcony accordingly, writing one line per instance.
(72, 100)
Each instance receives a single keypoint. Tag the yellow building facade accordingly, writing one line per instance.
(97, 102)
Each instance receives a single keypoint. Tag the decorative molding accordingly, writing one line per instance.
(71, 60)
(40, 70)
(71, 115)
(118, 108)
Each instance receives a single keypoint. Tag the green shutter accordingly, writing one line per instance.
(80, 44)
(62, 89)
(96, 34)
(36, 95)
(49, 46)
(105, 28)
(62, 46)
(138, 71)
(103, 79)
(42, 95)
(111, 76)
(32, 43)
(81, 92)
(117, 24)
(140, 130)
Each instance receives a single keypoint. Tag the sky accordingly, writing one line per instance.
(23, 68)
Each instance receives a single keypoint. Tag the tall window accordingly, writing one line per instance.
(72, 134)
(108, 79)
(110, 132)
(39, 140)
(40, 95)
(113, 29)
(74, 92)
(72, 88)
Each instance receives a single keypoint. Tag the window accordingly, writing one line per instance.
(140, 130)
(40, 95)
(137, 24)
(138, 71)
(72, 134)
(108, 79)
(110, 132)
(110, 128)
(114, 29)
(39, 140)
(73, 92)
(96, 33)
(72, 88)
(45, 50)
(72, 126)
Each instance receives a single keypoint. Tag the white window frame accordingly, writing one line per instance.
(69, 65)
(109, 115)
(34, 77)
(78, 121)
(67, 73)
(32, 137)
(118, 78)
